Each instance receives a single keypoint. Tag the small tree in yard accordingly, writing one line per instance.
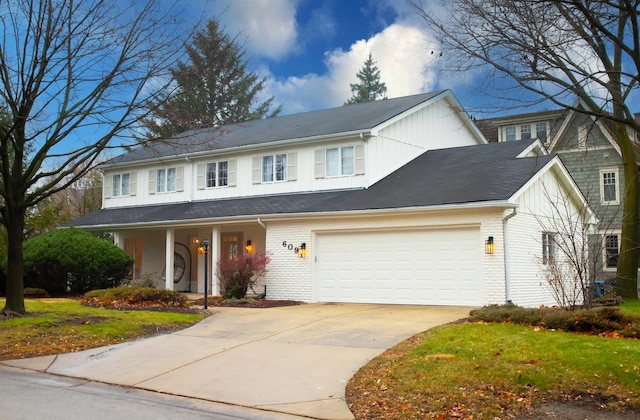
(236, 275)
(72, 261)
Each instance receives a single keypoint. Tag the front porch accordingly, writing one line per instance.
(172, 257)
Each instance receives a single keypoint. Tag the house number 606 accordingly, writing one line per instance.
(290, 247)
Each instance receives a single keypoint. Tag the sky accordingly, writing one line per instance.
(309, 51)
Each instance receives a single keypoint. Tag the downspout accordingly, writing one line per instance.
(507, 265)
(261, 223)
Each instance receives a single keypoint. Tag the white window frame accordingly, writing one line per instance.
(163, 180)
(219, 179)
(548, 248)
(119, 185)
(342, 167)
(605, 247)
(277, 171)
(514, 131)
(603, 178)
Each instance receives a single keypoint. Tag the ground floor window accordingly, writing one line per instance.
(611, 250)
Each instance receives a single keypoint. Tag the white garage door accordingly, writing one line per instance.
(426, 267)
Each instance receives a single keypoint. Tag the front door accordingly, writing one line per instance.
(231, 245)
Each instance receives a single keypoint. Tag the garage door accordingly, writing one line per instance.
(426, 267)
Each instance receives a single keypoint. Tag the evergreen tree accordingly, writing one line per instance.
(370, 88)
(212, 89)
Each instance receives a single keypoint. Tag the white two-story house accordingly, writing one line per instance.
(395, 201)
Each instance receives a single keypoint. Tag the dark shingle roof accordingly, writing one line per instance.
(460, 175)
(344, 119)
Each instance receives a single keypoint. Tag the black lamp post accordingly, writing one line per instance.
(205, 247)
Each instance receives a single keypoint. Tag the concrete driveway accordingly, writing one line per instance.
(295, 360)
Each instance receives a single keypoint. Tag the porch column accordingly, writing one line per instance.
(214, 255)
(168, 279)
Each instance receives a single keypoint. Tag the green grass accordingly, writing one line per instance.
(631, 306)
(54, 326)
(495, 370)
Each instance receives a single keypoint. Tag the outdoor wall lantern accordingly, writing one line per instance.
(205, 250)
(303, 250)
(248, 247)
(489, 246)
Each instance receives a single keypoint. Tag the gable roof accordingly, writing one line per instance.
(341, 121)
(489, 173)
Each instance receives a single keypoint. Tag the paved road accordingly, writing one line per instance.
(32, 395)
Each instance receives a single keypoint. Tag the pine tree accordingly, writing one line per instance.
(212, 89)
(369, 88)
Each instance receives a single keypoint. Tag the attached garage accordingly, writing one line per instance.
(400, 266)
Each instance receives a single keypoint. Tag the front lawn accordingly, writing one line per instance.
(492, 370)
(53, 326)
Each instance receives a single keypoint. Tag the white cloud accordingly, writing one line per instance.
(401, 51)
(268, 25)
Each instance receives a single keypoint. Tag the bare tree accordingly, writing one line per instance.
(75, 76)
(559, 50)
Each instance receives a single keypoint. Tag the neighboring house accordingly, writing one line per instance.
(592, 157)
(393, 201)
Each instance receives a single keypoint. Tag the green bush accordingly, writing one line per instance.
(606, 319)
(135, 296)
(72, 262)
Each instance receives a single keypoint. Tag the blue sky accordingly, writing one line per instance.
(310, 50)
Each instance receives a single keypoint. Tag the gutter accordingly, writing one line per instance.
(266, 145)
(507, 265)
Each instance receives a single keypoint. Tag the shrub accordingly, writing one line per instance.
(72, 261)
(595, 321)
(237, 275)
(135, 296)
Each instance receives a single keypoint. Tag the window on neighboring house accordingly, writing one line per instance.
(120, 185)
(166, 180)
(525, 131)
(274, 168)
(609, 186)
(611, 251)
(339, 161)
(548, 248)
(541, 131)
(217, 174)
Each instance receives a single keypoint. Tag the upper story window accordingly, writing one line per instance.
(526, 131)
(120, 185)
(216, 174)
(609, 186)
(274, 168)
(166, 180)
(339, 161)
(548, 248)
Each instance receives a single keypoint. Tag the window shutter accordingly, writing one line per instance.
(152, 181)
(200, 177)
(232, 178)
(256, 177)
(180, 178)
(132, 184)
(319, 163)
(359, 159)
(292, 171)
(107, 186)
